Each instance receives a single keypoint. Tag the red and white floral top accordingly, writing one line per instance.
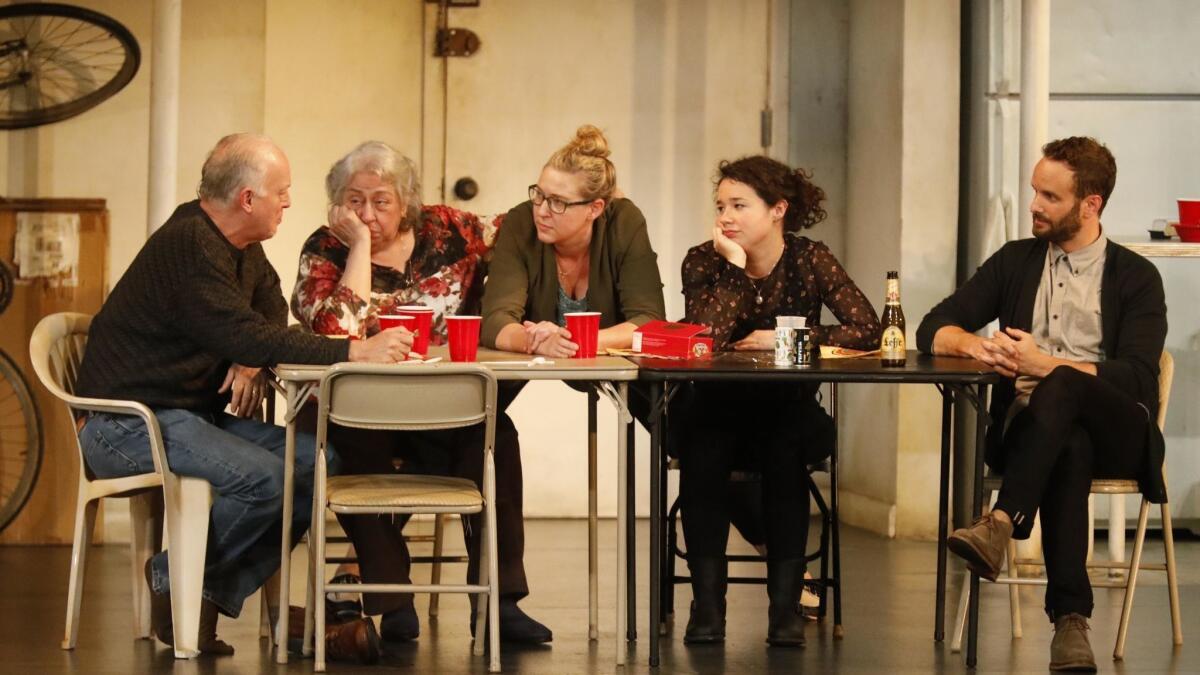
(445, 273)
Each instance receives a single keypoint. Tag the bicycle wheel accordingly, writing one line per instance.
(57, 61)
(20, 441)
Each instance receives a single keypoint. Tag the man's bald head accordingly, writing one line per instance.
(236, 162)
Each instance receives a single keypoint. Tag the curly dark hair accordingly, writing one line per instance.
(772, 181)
(1094, 167)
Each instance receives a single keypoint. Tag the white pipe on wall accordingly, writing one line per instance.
(1035, 97)
(164, 112)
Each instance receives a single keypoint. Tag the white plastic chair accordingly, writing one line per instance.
(56, 349)
(408, 397)
(1166, 373)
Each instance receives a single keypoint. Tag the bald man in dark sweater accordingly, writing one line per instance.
(186, 331)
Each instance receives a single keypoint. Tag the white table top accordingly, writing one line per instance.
(506, 366)
(1162, 248)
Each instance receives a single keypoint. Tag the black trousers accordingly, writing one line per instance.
(1077, 427)
(383, 556)
(776, 429)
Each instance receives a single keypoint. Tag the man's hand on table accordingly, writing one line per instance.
(999, 353)
(387, 346)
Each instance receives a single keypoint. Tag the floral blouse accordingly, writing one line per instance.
(719, 294)
(445, 273)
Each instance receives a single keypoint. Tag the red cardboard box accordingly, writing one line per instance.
(678, 340)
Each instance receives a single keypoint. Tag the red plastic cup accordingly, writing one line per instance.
(408, 321)
(464, 336)
(585, 332)
(424, 316)
(1189, 211)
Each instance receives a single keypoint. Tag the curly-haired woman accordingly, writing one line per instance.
(755, 268)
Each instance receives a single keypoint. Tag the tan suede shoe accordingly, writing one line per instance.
(982, 545)
(1070, 649)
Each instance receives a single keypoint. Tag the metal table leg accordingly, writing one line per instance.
(656, 516)
(939, 620)
(619, 395)
(623, 519)
(631, 533)
(285, 547)
(593, 539)
(977, 509)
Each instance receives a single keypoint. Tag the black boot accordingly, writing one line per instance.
(785, 625)
(707, 621)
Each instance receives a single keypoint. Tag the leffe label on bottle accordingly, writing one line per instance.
(892, 346)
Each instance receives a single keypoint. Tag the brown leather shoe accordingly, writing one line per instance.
(160, 611)
(352, 641)
(982, 545)
(1070, 649)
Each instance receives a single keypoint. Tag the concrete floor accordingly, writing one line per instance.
(888, 620)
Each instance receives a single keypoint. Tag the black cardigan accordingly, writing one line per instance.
(1134, 327)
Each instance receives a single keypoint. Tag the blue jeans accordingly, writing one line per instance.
(243, 460)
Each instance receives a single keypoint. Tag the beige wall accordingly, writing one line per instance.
(903, 200)
(874, 136)
(682, 79)
(336, 74)
(688, 78)
(100, 154)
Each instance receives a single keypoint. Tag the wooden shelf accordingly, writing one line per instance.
(1162, 249)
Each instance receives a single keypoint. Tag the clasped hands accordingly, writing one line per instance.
(548, 339)
(1011, 352)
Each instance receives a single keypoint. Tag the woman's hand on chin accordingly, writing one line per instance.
(728, 248)
(345, 224)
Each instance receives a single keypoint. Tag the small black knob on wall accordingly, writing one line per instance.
(466, 188)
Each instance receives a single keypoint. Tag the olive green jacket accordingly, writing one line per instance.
(623, 280)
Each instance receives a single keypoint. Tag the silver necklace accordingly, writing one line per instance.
(757, 285)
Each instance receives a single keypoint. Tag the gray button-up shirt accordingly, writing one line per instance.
(1066, 309)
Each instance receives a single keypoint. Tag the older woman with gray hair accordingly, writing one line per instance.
(382, 249)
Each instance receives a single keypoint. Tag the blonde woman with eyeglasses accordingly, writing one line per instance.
(577, 245)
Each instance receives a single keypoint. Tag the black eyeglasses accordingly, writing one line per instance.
(557, 205)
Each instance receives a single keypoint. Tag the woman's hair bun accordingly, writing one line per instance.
(590, 141)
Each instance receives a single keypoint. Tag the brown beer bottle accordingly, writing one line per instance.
(892, 347)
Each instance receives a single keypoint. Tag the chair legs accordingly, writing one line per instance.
(493, 588)
(483, 603)
(316, 574)
(187, 510)
(85, 521)
(435, 572)
(267, 595)
(960, 617)
(1131, 583)
(1130, 586)
(145, 538)
(1172, 581)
